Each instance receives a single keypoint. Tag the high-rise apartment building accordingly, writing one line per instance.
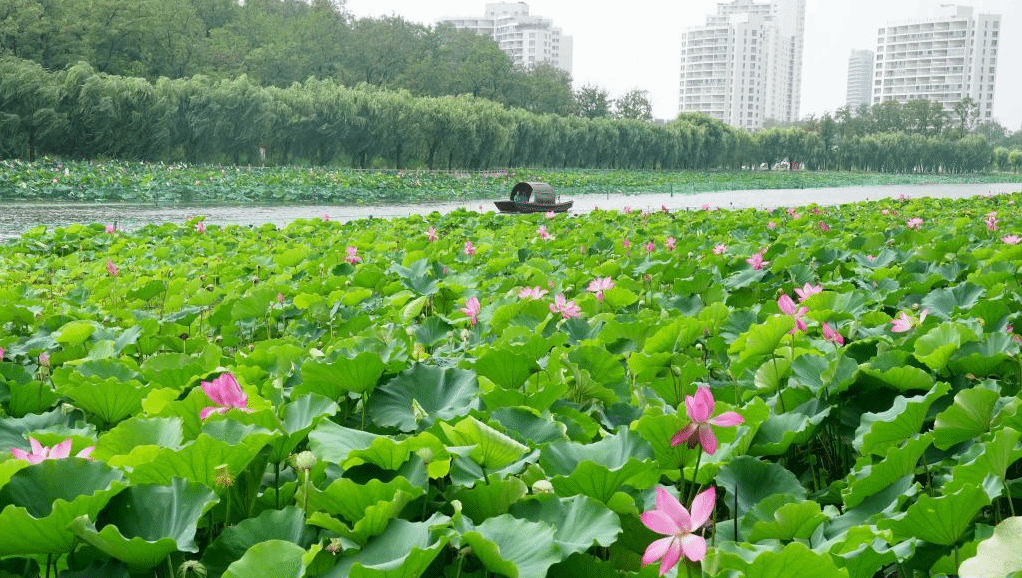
(744, 67)
(942, 59)
(860, 79)
(528, 40)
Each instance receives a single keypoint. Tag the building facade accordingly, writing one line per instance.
(944, 59)
(744, 67)
(528, 40)
(860, 79)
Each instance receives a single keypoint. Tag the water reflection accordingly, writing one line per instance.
(18, 217)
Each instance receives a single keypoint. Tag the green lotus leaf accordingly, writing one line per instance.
(1000, 555)
(332, 442)
(491, 499)
(15, 431)
(287, 525)
(491, 449)
(752, 480)
(173, 370)
(936, 346)
(528, 425)
(404, 550)
(780, 431)
(579, 522)
(350, 499)
(270, 559)
(514, 547)
(198, 460)
(940, 520)
(678, 335)
(796, 559)
(300, 417)
(421, 395)
(788, 521)
(760, 340)
(164, 432)
(508, 370)
(869, 478)
(901, 378)
(600, 469)
(879, 431)
(863, 552)
(657, 430)
(151, 289)
(946, 301)
(335, 380)
(144, 524)
(254, 304)
(983, 358)
(75, 332)
(645, 366)
(40, 500)
(371, 522)
(992, 457)
(585, 566)
(968, 417)
(111, 400)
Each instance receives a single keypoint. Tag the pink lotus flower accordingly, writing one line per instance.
(991, 221)
(903, 197)
(352, 255)
(550, 214)
(566, 308)
(531, 293)
(1010, 239)
(543, 233)
(771, 225)
(793, 214)
(44, 359)
(280, 298)
(41, 452)
(110, 229)
(650, 247)
(832, 335)
(904, 322)
(599, 285)
(626, 243)
(807, 291)
(757, 261)
(664, 209)
(431, 234)
(469, 248)
(706, 206)
(671, 519)
(2, 352)
(787, 306)
(200, 227)
(823, 226)
(914, 223)
(471, 309)
(326, 217)
(226, 393)
(699, 408)
(670, 243)
(626, 210)
(885, 212)
(719, 249)
(1008, 328)
(111, 268)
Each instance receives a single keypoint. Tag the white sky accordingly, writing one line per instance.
(629, 44)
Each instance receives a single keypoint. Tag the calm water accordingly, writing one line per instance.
(18, 217)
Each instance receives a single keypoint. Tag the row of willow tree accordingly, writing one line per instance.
(81, 113)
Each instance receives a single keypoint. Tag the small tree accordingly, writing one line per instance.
(634, 105)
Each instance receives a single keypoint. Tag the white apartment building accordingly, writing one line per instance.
(942, 59)
(860, 79)
(528, 40)
(744, 67)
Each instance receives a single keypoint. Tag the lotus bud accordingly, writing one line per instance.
(334, 547)
(191, 568)
(44, 359)
(426, 454)
(224, 478)
(542, 487)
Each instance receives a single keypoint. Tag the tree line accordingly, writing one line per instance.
(82, 113)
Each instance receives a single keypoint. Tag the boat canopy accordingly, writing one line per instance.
(538, 193)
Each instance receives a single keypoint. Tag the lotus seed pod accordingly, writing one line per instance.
(305, 460)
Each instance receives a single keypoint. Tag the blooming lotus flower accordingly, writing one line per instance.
(914, 223)
(326, 217)
(706, 206)
(226, 393)
(823, 226)
(699, 408)
(771, 225)
(599, 285)
(787, 306)
(650, 247)
(807, 291)
(1010, 239)
(111, 268)
(757, 261)
(469, 248)
(471, 309)
(719, 249)
(626, 243)
(991, 221)
(792, 213)
(670, 243)
(44, 359)
(832, 335)
(431, 234)
(626, 210)
(885, 212)
(671, 519)
(904, 322)
(2, 353)
(110, 229)
(41, 452)
(280, 298)
(543, 233)
(352, 255)
(566, 308)
(550, 214)
(664, 209)
(531, 293)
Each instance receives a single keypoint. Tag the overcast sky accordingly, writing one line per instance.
(622, 45)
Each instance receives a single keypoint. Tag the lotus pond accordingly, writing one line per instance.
(812, 391)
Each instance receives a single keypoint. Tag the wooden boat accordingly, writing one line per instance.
(533, 197)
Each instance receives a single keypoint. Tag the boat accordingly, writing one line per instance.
(533, 197)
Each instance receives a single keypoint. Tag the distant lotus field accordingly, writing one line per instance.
(805, 391)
